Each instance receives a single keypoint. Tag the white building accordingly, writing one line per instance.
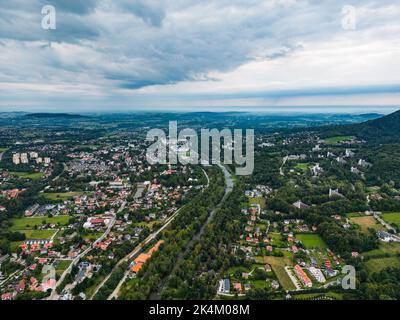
(316, 170)
(349, 153)
(316, 148)
(224, 286)
(317, 274)
(16, 158)
(363, 163)
(24, 158)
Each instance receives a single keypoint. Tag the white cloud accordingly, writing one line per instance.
(126, 52)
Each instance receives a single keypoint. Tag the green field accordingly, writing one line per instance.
(302, 166)
(258, 200)
(311, 240)
(376, 265)
(316, 296)
(367, 222)
(3, 150)
(387, 255)
(337, 139)
(393, 218)
(384, 249)
(38, 234)
(92, 236)
(62, 265)
(61, 196)
(355, 214)
(278, 266)
(30, 223)
(14, 246)
(277, 239)
(27, 175)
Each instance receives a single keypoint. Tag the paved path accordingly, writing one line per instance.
(281, 167)
(135, 251)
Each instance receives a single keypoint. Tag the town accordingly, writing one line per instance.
(84, 216)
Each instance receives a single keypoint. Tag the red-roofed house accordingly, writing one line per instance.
(238, 286)
(7, 296)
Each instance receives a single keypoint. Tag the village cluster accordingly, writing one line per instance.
(96, 203)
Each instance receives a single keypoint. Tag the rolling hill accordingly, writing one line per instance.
(382, 130)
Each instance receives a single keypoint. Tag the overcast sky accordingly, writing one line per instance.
(114, 55)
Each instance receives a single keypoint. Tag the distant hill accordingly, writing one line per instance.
(382, 130)
(53, 116)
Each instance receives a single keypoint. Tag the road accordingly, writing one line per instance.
(281, 167)
(58, 176)
(294, 280)
(54, 294)
(135, 251)
(383, 222)
(12, 275)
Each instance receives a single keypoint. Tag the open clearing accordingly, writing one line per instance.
(355, 214)
(392, 218)
(384, 249)
(367, 222)
(376, 265)
(61, 196)
(62, 265)
(258, 200)
(30, 223)
(302, 166)
(337, 139)
(38, 234)
(278, 266)
(311, 240)
(28, 175)
(387, 255)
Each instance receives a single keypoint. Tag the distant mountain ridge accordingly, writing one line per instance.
(53, 115)
(385, 129)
